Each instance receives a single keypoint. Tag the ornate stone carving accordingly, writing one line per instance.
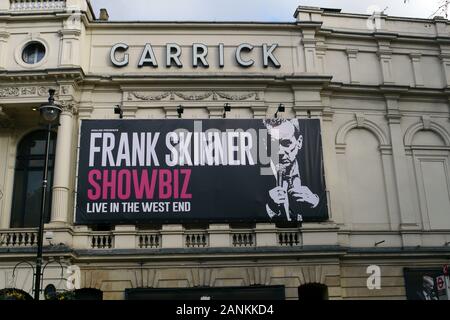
(24, 91)
(148, 98)
(69, 106)
(238, 97)
(43, 91)
(194, 96)
(65, 89)
(360, 119)
(28, 91)
(9, 92)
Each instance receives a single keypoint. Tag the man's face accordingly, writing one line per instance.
(428, 284)
(288, 144)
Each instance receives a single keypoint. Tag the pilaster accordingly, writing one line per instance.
(385, 57)
(63, 159)
(404, 195)
(4, 36)
(172, 236)
(352, 56)
(309, 45)
(417, 69)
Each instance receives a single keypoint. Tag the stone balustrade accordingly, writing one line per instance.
(29, 5)
(146, 240)
(289, 238)
(196, 239)
(102, 240)
(169, 236)
(243, 238)
(18, 238)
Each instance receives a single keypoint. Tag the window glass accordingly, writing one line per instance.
(33, 53)
(29, 172)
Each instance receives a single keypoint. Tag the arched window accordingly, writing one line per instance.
(313, 292)
(28, 176)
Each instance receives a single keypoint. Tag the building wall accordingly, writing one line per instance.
(381, 95)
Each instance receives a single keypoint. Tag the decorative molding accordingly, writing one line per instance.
(360, 119)
(327, 114)
(420, 126)
(4, 35)
(215, 95)
(6, 92)
(192, 97)
(259, 112)
(352, 53)
(312, 274)
(366, 124)
(237, 97)
(69, 32)
(69, 106)
(258, 276)
(147, 98)
(202, 277)
(10, 92)
(65, 90)
(426, 120)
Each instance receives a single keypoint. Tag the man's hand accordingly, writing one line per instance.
(303, 194)
(278, 195)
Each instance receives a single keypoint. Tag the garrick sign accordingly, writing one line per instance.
(244, 55)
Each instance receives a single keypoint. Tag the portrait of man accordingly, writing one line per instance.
(421, 284)
(427, 292)
(289, 197)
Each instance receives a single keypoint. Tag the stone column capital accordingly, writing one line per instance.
(69, 107)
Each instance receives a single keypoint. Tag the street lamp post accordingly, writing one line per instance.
(49, 113)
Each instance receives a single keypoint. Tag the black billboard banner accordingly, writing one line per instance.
(179, 171)
(426, 284)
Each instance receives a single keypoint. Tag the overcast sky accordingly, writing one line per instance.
(251, 10)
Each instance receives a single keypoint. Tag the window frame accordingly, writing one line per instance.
(18, 216)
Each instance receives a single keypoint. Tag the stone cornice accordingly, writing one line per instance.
(385, 35)
(75, 74)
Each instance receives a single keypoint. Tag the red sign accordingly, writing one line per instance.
(440, 283)
(446, 270)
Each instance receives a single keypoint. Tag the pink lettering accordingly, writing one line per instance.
(124, 178)
(165, 184)
(184, 189)
(95, 193)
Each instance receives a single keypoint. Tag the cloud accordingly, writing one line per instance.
(249, 10)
